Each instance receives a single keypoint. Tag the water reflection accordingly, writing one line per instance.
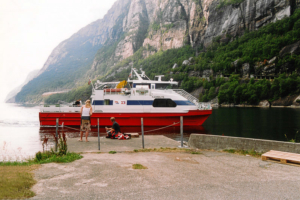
(262, 123)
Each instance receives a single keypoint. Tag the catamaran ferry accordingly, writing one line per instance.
(156, 101)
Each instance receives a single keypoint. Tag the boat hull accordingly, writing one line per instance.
(191, 118)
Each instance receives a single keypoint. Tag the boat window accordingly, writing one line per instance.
(141, 84)
(106, 101)
(163, 103)
(107, 86)
(163, 86)
(171, 103)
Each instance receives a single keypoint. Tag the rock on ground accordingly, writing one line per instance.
(285, 101)
(264, 103)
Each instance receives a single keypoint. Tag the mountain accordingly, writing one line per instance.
(10, 98)
(68, 63)
(137, 29)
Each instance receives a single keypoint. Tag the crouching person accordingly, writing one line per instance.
(114, 130)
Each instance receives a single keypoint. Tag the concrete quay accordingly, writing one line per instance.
(106, 144)
(210, 175)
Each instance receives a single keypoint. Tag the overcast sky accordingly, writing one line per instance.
(31, 29)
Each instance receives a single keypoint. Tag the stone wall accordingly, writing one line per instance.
(216, 142)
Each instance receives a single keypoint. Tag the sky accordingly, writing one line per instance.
(31, 29)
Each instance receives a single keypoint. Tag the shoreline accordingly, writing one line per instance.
(212, 105)
(256, 106)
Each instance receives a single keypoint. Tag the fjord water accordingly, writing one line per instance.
(260, 123)
(20, 133)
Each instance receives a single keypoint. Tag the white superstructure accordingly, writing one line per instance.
(138, 95)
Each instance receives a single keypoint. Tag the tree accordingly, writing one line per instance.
(212, 93)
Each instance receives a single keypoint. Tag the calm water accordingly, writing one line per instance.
(262, 123)
(21, 136)
(19, 132)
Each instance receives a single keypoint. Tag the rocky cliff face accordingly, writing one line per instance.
(166, 24)
(155, 25)
(249, 15)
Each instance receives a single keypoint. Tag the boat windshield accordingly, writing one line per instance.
(107, 86)
(164, 86)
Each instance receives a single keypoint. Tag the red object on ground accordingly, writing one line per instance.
(192, 118)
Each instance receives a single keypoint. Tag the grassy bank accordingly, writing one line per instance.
(16, 178)
(47, 157)
(16, 181)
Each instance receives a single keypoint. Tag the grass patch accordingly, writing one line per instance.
(112, 152)
(196, 152)
(292, 140)
(244, 152)
(138, 166)
(46, 157)
(69, 157)
(16, 178)
(16, 181)
(169, 150)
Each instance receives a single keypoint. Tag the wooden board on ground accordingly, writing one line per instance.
(134, 135)
(283, 157)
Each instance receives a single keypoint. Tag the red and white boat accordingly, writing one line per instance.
(156, 101)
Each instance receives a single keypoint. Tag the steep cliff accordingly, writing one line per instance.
(154, 25)
(249, 15)
(167, 24)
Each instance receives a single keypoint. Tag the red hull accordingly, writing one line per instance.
(192, 118)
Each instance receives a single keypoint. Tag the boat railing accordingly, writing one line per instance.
(194, 100)
(122, 91)
(59, 108)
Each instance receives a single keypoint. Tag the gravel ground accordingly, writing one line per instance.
(210, 175)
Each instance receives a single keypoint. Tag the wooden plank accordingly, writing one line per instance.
(283, 161)
(282, 157)
(264, 158)
(134, 135)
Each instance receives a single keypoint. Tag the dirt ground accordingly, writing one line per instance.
(210, 175)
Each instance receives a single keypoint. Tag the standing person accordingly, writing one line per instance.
(77, 103)
(86, 112)
(114, 130)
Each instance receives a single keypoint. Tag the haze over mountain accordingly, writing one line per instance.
(10, 98)
(148, 26)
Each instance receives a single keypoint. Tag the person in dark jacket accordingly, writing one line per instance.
(115, 129)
